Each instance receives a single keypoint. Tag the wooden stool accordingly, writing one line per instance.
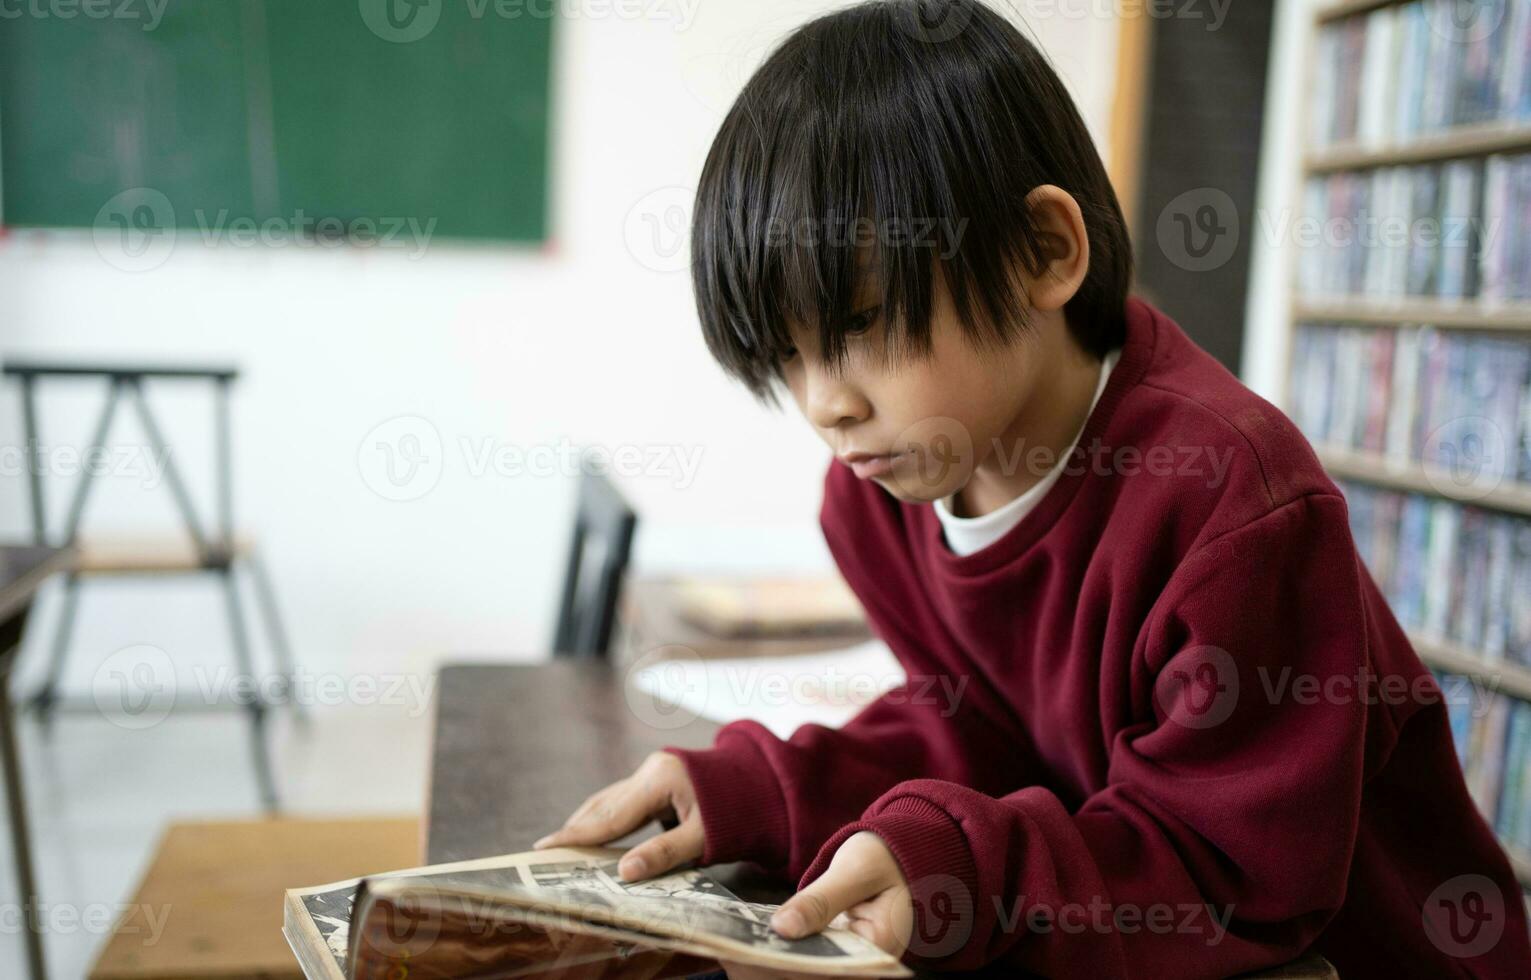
(210, 905)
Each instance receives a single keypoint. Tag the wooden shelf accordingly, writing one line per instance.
(1380, 470)
(1519, 861)
(1507, 676)
(1347, 8)
(1477, 139)
(1447, 314)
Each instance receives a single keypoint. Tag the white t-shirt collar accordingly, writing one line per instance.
(966, 535)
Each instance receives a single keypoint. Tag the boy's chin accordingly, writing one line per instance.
(914, 491)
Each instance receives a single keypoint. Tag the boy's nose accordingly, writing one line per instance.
(833, 403)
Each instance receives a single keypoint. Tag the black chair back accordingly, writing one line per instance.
(604, 525)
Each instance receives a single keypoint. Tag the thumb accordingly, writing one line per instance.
(837, 889)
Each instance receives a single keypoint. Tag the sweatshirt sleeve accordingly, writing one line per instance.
(775, 801)
(1222, 839)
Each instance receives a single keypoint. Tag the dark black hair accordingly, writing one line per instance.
(895, 139)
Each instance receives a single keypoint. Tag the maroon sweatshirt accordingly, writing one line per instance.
(1165, 727)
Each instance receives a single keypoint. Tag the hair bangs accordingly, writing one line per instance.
(860, 161)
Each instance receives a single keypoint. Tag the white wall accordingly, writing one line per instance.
(522, 348)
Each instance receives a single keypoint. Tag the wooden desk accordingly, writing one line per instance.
(518, 747)
(554, 733)
(23, 569)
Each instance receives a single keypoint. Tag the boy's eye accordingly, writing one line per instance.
(862, 322)
(858, 324)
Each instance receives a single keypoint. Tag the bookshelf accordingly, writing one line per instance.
(1509, 677)
(1466, 140)
(1442, 314)
(1383, 471)
(1374, 135)
(1345, 8)
(1520, 861)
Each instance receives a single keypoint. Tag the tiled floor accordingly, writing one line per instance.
(100, 796)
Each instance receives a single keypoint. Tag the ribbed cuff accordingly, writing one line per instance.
(743, 815)
(937, 862)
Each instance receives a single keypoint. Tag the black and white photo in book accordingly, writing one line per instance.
(723, 914)
(331, 912)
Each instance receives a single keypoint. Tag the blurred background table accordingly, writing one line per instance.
(738, 616)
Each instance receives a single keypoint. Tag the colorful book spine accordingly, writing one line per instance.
(1491, 732)
(1455, 400)
(1407, 70)
(1451, 572)
(1459, 229)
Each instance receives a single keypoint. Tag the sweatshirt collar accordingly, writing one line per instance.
(1137, 353)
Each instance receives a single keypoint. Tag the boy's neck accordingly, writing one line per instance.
(1051, 419)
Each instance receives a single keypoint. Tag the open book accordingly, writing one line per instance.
(562, 911)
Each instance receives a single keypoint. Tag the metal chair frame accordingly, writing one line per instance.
(216, 553)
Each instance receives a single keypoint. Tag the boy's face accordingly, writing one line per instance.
(921, 427)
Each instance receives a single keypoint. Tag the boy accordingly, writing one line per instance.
(1192, 740)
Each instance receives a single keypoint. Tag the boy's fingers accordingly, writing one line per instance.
(810, 910)
(598, 798)
(600, 824)
(662, 852)
(608, 818)
(557, 837)
(585, 807)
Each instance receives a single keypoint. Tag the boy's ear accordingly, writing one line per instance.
(1065, 246)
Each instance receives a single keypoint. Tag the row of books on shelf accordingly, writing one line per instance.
(1448, 570)
(1491, 732)
(1459, 229)
(1404, 71)
(1458, 402)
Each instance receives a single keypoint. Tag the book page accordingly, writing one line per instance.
(567, 891)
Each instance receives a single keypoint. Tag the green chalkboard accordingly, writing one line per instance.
(292, 114)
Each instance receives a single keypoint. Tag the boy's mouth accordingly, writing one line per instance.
(869, 465)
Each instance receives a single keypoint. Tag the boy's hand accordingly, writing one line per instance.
(658, 788)
(864, 881)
